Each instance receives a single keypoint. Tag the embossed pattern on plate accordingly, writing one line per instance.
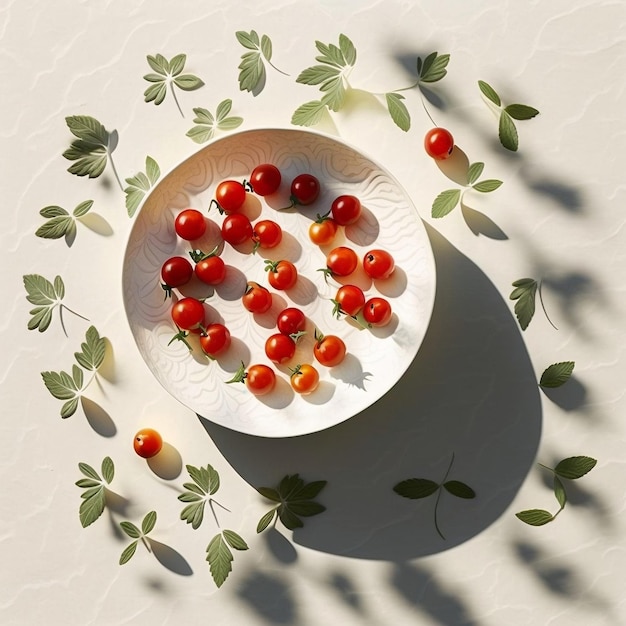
(376, 358)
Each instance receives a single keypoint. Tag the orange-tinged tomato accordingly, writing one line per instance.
(304, 379)
(147, 443)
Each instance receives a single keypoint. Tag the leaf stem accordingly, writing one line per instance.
(277, 69)
(543, 306)
(439, 496)
(214, 513)
(146, 542)
(176, 98)
(545, 467)
(117, 177)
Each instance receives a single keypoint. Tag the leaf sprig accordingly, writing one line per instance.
(571, 468)
(94, 494)
(295, 499)
(208, 124)
(252, 72)
(447, 200)
(524, 294)
(140, 184)
(92, 149)
(137, 534)
(60, 223)
(46, 296)
(169, 74)
(70, 387)
(417, 488)
(507, 131)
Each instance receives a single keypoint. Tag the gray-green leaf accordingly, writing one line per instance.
(130, 529)
(140, 184)
(474, 171)
(445, 202)
(220, 559)
(574, 467)
(128, 553)
(309, 113)
(557, 374)
(60, 384)
(234, 540)
(108, 469)
(535, 517)
(93, 350)
(398, 111)
(92, 507)
(489, 92)
(486, 186)
(148, 522)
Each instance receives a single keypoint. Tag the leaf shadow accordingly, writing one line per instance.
(168, 463)
(98, 418)
(270, 597)
(455, 167)
(280, 546)
(347, 592)
(170, 558)
(570, 397)
(481, 224)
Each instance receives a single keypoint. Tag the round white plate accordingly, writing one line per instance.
(376, 358)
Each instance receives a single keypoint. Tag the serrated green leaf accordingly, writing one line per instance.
(398, 111)
(416, 488)
(234, 540)
(331, 54)
(535, 517)
(266, 47)
(289, 485)
(193, 513)
(108, 469)
(521, 111)
(575, 467)
(348, 50)
(200, 478)
(335, 94)
(524, 292)
(269, 493)
(445, 202)
(318, 74)
(489, 92)
(177, 64)
(474, 171)
(133, 199)
(90, 165)
(155, 93)
(60, 385)
(69, 408)
(148, 522)
(188, 82)
(486, 186)
(130, 529)
(152, 170)
(88, 129)
(265, 521)
(507, 132)
(91, 508)
(557, 374)
(83, 208)
(93, 350)
(39, 289)
(248, 40)
(220, 559)
(251, 71)
(434, 67)
(210, 478)
(128, 553)
(56, 227)
(459, 489)
(309, 113)
(559, 492)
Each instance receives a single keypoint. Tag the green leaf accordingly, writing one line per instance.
(41, 318)
(56, 227)
(140, 184)
(234, 540)
(229, 123)
(200, 478)
(52, 211)
(223, 109)
(108, 469)
(266, 47)
(575, 467)
(188, 82)
(485, 186)
(524, 292)
(93, 350)
(459, 489)
(152, 170)
(155, 93)
(318, 75)
(309, 113)
(193, 513)
(266, 520)
(91, 165)
(348, 50)
(128, 553)
(159, 64)
(83, 208)
(507, 132)
(220, 559)
(251, 71)
(130, 529)
(40, 290)
(87, 483)
(305, 508)
(289, 519)
(445, 202)
(77, 376)
(200, 134)
(474, 171)
(92, 507)
(148, 522)
(88, 129)
(177, 64)
(90, 151)
(60, 384)
(559, 492)
(248, 40)
(489, 92)
(330, 54)
(203, 116)
(416, 488)
(557, 374)
(433, 68)
(521, 111)
(398, 111)
(269, 493)
(535, 517)
(89, 471)
(69, 408)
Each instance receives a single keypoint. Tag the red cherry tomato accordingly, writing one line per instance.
(230, 196)
(305, 189)
(265, 179)
(341, 261)
(349, 300)
(266, 234)
(378, 264)
(147, 443)
(438, 143)
(260, 379)
(346, 210)
(329, 350)
(377, 312)
(188, 314)
(323, 230)
(291, 321)
(280, 348)
(304, 379)
(236, 229)
(257, 299)
(176, 271)
(215, 339)
(281, 274)
(190, 224)
(211, 269)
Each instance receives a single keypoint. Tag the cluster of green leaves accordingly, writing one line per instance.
(137, 534)
(46, 296)
(252, 72)
(207, 123)
(570, 468)
(94, 494)
(507, 131)
(524, 294)
(60, 223)
(206, 482)
(168, 74)
(70, 387)
(295, 499)
(140, 184)
(418, 488)
(447, 200)
(93, 147)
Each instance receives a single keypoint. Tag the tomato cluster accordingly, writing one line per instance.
(196, 321)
